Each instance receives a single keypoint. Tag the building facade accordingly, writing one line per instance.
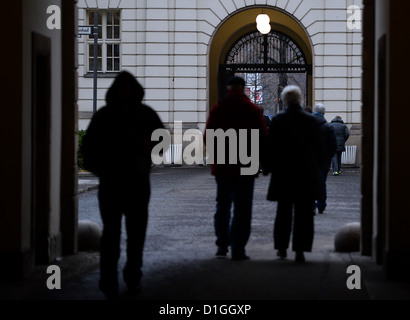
(182, 52)
(38, 194)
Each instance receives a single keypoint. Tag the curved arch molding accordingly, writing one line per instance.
(240, 23)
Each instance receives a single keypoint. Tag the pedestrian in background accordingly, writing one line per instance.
(342, 134)
(308, 109)
(117, 148)
(294, 139)
(234, 111)
(267, 121)
(329, 142)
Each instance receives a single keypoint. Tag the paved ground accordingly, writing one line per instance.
(179, 261)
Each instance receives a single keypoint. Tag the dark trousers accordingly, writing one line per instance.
(116, 200)
(233, 232)
(320, 203)
(303, 227)
(337, 161)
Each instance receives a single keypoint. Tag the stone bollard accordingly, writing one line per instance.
(347, 239)
(89, 235)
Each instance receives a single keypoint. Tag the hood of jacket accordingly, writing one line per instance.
(125, 90)
(337, 120)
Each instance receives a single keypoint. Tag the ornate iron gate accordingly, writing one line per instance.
(255, 55)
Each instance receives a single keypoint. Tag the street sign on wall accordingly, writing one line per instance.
(85, 30)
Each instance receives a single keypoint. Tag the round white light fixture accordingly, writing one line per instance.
(262, 18)
(263, 23)
(264, 29)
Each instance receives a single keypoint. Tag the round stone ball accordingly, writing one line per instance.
(347, 239)
(89, 235)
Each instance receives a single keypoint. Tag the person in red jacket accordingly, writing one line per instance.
(234, 113)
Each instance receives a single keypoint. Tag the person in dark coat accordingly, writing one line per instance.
(267, 120)
(234, 111)
(117, 148)
(294, 138)
(342, 134)
(329, 139)
(308, 109)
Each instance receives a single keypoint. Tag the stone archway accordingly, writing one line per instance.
(241, 23)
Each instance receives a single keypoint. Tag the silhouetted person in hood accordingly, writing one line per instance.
(117, 148)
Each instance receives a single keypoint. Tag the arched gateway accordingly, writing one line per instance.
(268, 63)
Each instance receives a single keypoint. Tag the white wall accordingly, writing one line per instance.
(165, 43)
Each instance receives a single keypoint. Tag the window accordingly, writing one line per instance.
(109, 42)
(254, 88)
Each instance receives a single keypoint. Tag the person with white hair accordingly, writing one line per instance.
(294, 138)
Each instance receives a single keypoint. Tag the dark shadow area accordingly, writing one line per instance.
(224, 279)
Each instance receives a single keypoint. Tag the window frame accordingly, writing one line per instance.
(104, 42)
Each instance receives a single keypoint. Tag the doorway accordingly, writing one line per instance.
(40, 151)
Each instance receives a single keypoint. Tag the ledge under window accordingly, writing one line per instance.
(101, 74)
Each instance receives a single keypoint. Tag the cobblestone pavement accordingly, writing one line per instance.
(183, 203)
(180, 236)
(179, 256)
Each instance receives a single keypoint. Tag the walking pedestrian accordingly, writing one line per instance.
(308, 109)
(234, 111)
(329, 141)
(294, 138)
(117, 148)
(342, 134)
(267, 121)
